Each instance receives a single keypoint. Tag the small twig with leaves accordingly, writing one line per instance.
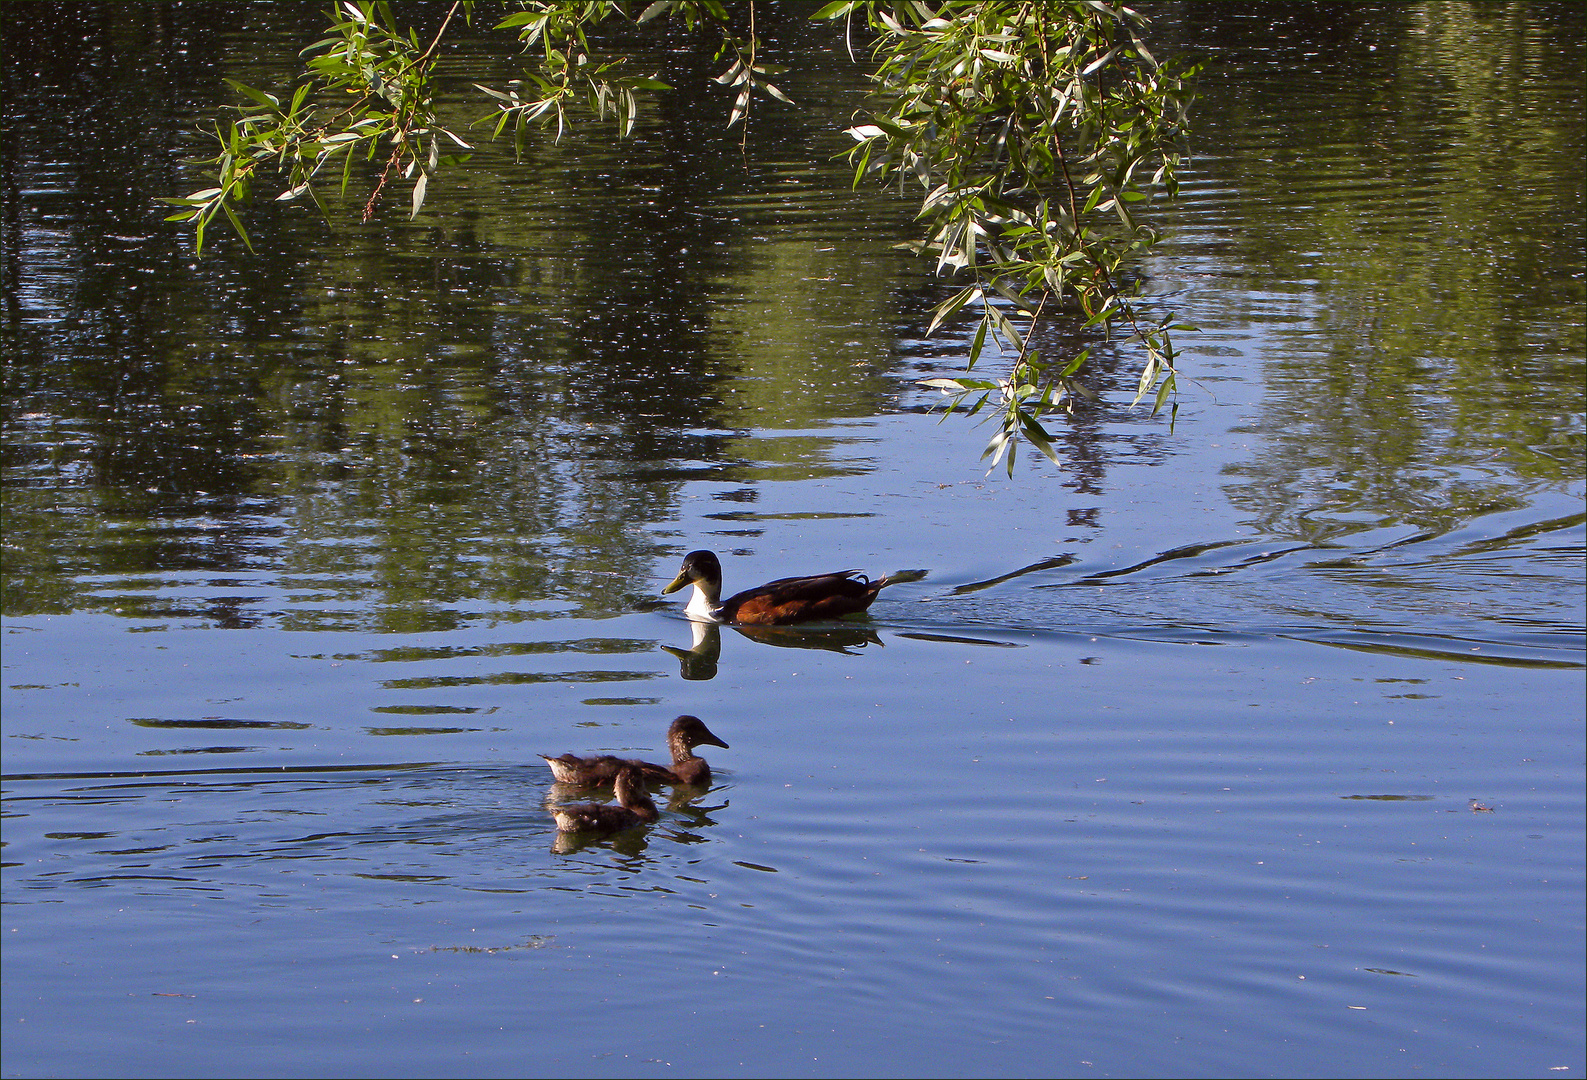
(981, 104)
(370, 58)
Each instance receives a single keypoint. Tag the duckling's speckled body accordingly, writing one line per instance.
(683, 735)
(634, 808)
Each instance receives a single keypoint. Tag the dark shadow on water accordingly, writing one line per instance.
(217, 722)
(202, 750)
(957, 639)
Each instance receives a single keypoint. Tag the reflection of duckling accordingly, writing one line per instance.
(635, 808)
(683, 735)
(786, 600)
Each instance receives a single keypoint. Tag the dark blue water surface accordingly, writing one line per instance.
(1246, 745)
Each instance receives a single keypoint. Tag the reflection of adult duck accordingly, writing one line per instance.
(698, 662)
(839, 639)
(786, 600)
(683, 735)
(634, 808)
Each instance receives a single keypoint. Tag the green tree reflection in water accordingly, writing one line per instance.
(1410, 215)
(478, 406)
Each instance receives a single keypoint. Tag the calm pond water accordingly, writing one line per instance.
(1246, 746)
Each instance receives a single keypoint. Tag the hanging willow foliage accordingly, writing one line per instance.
(1038, 130)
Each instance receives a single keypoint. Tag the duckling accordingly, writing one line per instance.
(683, 735)
(635, 808)
(786, 600)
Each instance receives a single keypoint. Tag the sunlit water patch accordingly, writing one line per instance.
(1330, 844)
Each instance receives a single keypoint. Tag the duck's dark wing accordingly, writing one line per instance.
(799, 599)
(813, 581)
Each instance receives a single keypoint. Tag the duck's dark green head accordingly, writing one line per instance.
(699, 568)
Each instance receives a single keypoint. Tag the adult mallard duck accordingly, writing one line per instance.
(683, 735)
(634, 808)
(786, 600)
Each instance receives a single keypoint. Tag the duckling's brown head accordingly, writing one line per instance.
(629, 787)
(691, 732)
